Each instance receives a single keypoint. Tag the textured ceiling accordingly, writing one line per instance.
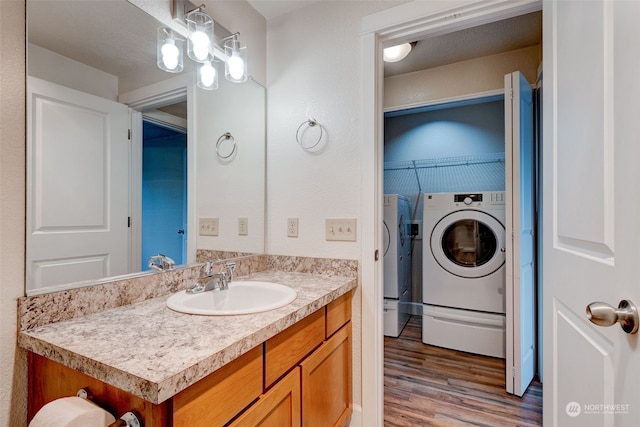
(113, 36)
(496, 37)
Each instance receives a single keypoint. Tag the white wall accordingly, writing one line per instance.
(232, 188)
(313, 70)
(13, 373)
(460, 79)
(47, 65)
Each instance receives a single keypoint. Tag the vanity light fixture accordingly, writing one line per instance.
(203, 46)
(235, 68)
(207, 76)
(200, 39)
(398, 52)
(169, 50)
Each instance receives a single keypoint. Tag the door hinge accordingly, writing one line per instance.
(129, 134)
(129, 222)
(376, 255)
(513, 372)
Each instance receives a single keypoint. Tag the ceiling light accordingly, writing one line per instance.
(397, 53)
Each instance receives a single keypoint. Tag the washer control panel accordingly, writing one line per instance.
(479, 199)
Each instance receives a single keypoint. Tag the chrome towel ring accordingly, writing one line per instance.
(225, 137)
(300, 132)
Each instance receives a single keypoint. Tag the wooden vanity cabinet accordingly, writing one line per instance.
(217, 398)
(300, 377)
(326, 382)
(49, 380)
(278, 407)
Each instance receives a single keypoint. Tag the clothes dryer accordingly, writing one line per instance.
(397, 263)
(464, 272)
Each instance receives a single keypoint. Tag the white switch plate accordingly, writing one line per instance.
(292, 227)
(243, 226)
(340, 229)
(208, 226)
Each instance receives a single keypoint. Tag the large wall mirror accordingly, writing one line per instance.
(124, 161)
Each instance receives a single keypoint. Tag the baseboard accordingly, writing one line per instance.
(356, 416)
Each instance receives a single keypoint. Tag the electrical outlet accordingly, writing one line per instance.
(341, 229)
(292, 227)
(415, 229)
(243, 226)
(208, 226)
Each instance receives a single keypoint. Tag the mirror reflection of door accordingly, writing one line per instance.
(164, 188)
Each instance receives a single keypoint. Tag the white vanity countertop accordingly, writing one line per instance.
(153, 352)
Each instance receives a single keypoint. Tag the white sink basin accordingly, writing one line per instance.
(242, 297)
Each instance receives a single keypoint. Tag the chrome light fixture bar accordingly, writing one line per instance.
(204, 39)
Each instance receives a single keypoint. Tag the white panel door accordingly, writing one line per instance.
(520, 280)
(591, 180)
(78, 186)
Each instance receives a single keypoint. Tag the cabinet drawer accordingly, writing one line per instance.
(279, 407)
(214, 400)
(338, 313)
(290, 346)
(326, 382)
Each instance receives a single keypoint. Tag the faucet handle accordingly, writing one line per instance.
(206, 268)
(231, 266)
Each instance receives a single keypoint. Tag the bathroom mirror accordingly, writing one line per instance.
(106, 51)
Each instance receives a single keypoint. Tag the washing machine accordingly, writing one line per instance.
(397, 263)
(464, 272)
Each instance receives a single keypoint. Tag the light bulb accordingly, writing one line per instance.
(236, 66)
(200, 43)
(207, 74)
(170, 53)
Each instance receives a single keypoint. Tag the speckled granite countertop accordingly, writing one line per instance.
(153, 352)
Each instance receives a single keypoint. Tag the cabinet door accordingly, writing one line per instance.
(326, 382)
(217, 398)
(279, 407)
(290, 346)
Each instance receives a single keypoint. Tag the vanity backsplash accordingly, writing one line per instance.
(39, 310)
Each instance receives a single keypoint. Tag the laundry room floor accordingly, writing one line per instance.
(432, 386)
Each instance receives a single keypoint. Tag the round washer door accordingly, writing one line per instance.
(469, 243)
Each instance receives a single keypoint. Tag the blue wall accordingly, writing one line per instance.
(450, 132)
(164, 193)
(451, 148)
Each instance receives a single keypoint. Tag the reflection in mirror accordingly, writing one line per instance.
(109, 186)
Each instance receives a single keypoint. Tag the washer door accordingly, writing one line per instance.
(469, 243)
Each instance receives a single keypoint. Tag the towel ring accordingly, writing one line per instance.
(311, 123)
(225, 137)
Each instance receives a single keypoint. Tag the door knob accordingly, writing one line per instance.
(626, 314)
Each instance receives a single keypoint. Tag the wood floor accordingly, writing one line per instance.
(431, 386)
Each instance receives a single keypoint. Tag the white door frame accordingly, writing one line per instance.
(163, 93)
(403, 23)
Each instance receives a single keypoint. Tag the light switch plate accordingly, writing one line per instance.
(340, 229)
(208, 226)
(243, 226)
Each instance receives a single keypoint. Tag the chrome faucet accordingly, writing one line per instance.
(209, 280)
(161, 262)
